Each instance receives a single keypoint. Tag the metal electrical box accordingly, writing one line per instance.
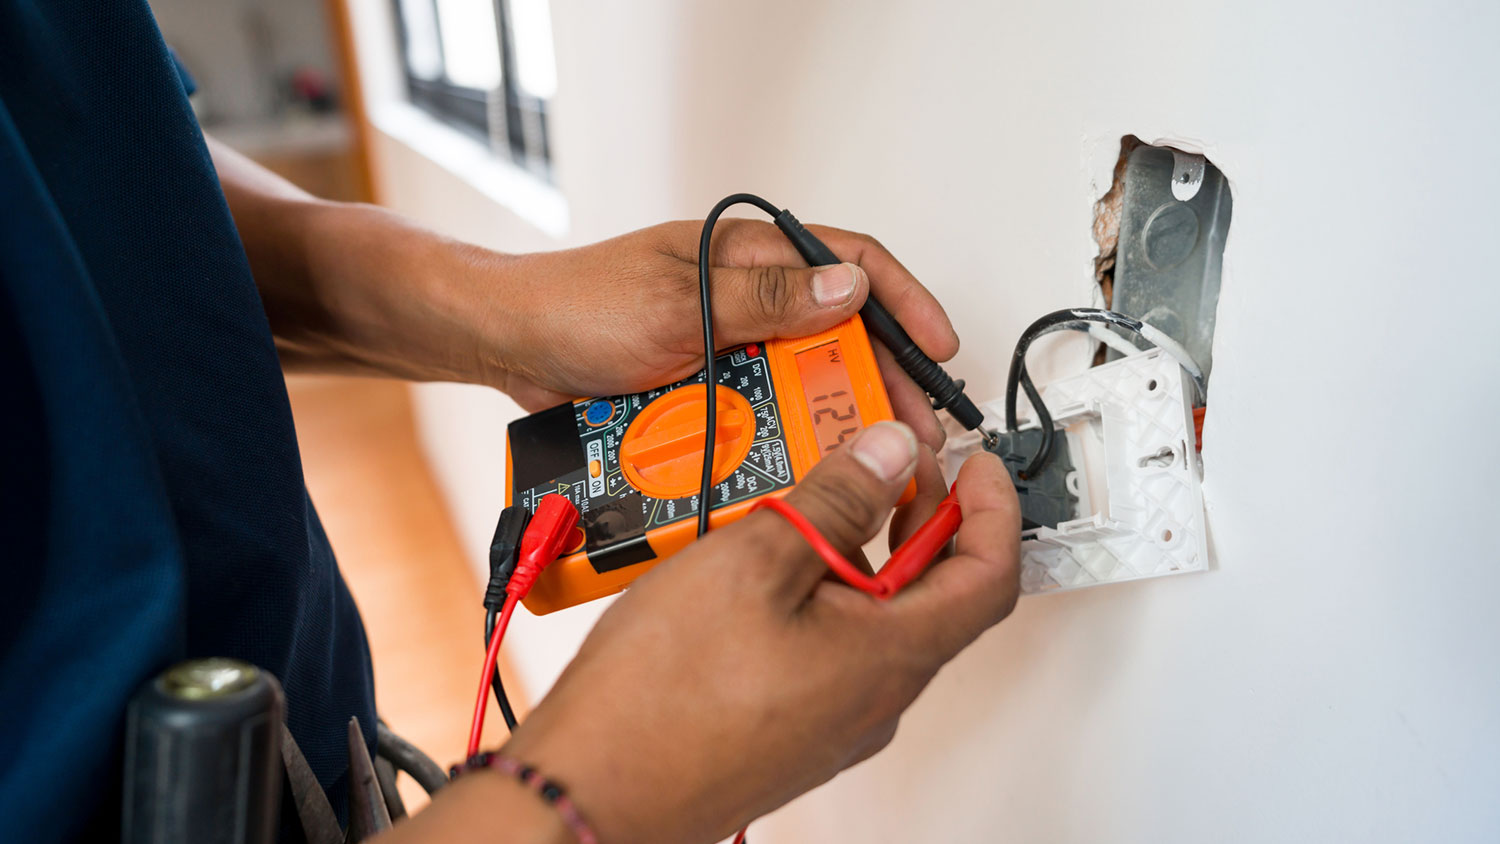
(1174, 220)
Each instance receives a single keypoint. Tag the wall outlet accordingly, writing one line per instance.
(1137, 477)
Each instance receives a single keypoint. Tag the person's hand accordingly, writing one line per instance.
(355, 288)
(736, 675)
(623, 315)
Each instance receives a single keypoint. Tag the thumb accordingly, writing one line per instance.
(759, 303)
(956, 600)
(847, 497)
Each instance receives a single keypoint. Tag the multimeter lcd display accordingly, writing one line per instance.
(830, 396)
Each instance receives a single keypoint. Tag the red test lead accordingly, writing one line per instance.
(542, 543)
(914, 555)
(907, 562)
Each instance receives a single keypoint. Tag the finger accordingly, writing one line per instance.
(909, 402)
(533, 397)
(913, 305)
(860, 562)
(846, 496)
(961, 597)
(762, 302)
(931, 489)
(746, 243)
(740, 242)
(876, 740)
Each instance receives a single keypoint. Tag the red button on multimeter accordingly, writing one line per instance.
(633, 464)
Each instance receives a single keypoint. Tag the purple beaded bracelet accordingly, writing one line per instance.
(550, 792)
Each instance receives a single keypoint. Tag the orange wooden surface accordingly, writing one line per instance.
(402, 560)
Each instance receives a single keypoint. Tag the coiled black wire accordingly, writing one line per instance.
(710, 372)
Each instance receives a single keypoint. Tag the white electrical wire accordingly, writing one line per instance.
(1100, 333)
(1155, 336)
(1111, 339)
(1150, 334)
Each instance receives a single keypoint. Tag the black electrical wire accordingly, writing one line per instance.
(501, 698)
(409, 759)
(1043, 415)
(1071, 318)
(505, 549)
(385, 774)
(710, 374)
(1044, 420)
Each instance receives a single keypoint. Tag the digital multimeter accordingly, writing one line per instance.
(633, 464)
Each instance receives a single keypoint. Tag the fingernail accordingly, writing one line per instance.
(834, 286)
(889, 449)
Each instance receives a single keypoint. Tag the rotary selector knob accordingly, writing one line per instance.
(661, 454)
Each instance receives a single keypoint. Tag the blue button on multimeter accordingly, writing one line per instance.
(599, 412)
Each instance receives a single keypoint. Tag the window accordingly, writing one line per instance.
(485, 67)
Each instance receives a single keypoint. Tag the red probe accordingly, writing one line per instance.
(907, 562)
(546, 535)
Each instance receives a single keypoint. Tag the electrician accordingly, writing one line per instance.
(155, 287)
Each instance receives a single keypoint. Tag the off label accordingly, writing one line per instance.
(596, 460)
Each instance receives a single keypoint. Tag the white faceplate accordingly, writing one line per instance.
(1129, 429)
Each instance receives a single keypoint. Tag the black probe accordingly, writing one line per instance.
(946, 392)
(505, 554)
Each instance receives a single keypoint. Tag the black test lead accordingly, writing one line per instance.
(946, 392)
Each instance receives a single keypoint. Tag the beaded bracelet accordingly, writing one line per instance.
(550, 792)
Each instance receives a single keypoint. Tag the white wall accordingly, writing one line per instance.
(1334, 676)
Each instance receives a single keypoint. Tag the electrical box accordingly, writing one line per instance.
(1174, 220)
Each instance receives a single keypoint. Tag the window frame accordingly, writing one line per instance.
(506, 118)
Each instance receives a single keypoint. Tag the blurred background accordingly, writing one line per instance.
(1325, 681)
(272, 82)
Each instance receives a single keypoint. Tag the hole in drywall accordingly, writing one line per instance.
(1150, 388)
(1107, 224)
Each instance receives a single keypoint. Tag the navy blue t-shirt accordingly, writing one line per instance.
(152, 505)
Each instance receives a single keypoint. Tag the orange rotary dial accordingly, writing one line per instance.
(661, 453)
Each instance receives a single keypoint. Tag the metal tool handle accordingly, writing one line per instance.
(203, 756)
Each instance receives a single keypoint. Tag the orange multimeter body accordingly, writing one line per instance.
(633, 464)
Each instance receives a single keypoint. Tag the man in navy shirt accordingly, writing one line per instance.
(153, 287)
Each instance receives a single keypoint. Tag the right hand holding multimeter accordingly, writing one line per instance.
(634, 466)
